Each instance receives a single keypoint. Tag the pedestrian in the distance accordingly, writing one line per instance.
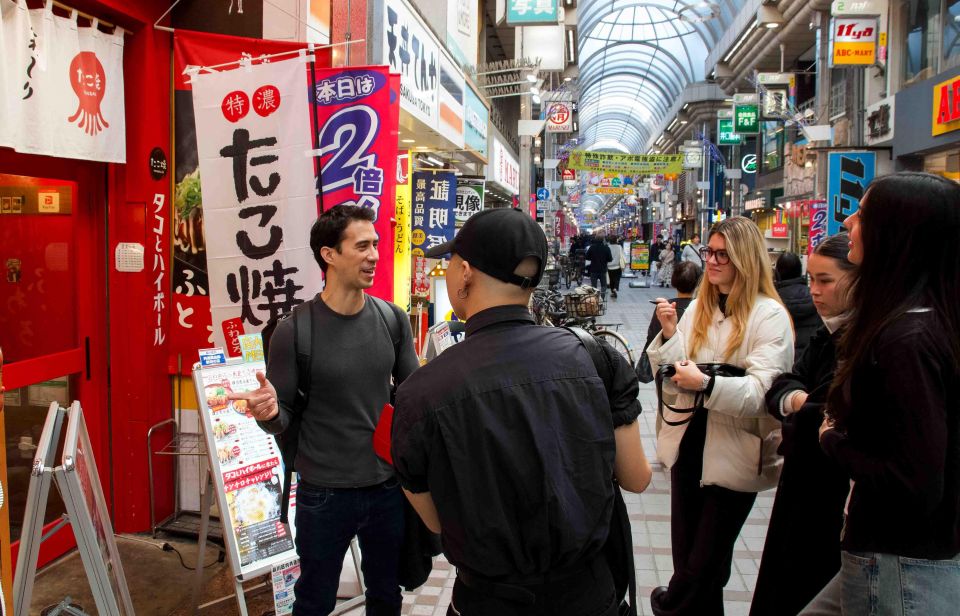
(893, 412)
(807, 517)
(616, 266)
(599, 256)
(795, 294)
(667, 259)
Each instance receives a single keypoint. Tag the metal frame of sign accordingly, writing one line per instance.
(112, 597)
(80, 493)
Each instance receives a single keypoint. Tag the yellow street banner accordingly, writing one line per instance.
(609, 190)
(647, 164)
(402, 259)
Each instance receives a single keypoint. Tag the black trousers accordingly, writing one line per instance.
(615, 279)
(704, 525)
(590, 593)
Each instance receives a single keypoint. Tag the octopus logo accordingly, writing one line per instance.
(89, 82)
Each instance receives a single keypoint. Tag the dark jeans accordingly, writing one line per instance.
(327, 519)
(615, 279)
(588, 594)
(704, 525)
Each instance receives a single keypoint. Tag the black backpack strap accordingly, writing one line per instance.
(303, 348)
(620, 521)
(390, 319)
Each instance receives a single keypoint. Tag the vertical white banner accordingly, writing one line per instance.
(253, 139)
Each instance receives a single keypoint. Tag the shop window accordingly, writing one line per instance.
(951, 34)
(921, 47)
(773, 134)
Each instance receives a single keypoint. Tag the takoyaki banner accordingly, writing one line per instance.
(247, 468)
(645, 164)
(255, 153)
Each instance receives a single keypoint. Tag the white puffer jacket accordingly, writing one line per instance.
(742, 438)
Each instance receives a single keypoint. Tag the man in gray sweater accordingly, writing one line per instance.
(344, 489)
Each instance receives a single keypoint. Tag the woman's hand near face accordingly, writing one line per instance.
(667, 315)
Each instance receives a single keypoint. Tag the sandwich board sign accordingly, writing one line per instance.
(77, 480)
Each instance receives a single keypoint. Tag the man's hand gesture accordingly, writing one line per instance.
(261, 402)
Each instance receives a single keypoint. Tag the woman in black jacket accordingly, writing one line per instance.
(893, 411)
(802, 550)
(796, 297)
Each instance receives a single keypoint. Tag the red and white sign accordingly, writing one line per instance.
(560, 118)
(258, 192)
(504, 169)
(62, 87)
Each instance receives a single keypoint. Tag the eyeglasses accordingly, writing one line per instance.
(720, 256)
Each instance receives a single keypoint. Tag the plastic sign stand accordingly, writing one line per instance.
(79, 485)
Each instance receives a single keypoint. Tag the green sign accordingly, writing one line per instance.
(746, 118)
(527, 12)
(725, 133)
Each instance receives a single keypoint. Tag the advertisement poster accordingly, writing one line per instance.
(818, 225)
(625, 163)
(401, 234)
(848, 176)
(639, 256)
(253, 140)
(434, 200)
(191, 326)
(609, 183)
(357, 118)
(469, 199)
(247, 461)
(284, 576)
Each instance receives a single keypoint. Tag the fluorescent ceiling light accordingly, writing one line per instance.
(435, 161)
(409, 140)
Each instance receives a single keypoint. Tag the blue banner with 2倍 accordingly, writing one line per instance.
(434, 205)
(848, 176)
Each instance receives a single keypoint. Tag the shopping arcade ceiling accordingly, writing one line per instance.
(636, 57)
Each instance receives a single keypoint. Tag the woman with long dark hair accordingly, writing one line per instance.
(893, 412)
(804, 531)
(724, 455)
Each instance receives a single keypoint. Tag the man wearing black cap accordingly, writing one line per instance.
(507, 443)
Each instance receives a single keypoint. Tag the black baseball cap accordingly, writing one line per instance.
(496, 241)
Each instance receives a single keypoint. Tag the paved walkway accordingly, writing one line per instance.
(649, 512)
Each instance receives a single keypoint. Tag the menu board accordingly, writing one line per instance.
(639, 256)
(247, 468)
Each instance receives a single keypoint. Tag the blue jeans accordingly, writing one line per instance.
(871, 584)
(327, 519)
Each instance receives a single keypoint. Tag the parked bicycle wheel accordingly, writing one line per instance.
(618, 342)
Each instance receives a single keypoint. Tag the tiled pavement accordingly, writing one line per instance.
(649, 512)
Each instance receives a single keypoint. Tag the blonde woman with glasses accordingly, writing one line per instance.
(725, 452)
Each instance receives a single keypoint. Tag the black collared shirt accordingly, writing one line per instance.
(511, 431)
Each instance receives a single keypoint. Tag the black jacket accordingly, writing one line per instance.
(796, 297)
(898, 439)
(807, 516)
(599, 255)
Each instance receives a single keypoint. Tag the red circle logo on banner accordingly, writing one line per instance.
(266, 100)
(235, 106)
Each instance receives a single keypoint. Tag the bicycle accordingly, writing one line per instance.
(551, 308)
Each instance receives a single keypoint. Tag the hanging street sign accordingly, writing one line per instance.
(726, 134)
(746, 114)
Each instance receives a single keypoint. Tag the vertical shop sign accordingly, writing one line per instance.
(410, 49)
(469, 199)
(159, 268)
(746, 114)
(505, 168)
(725, 132)
(434, 200)
(818, 225)
(253, 137)
(528, 12)
(401, 237)
(357, 152)
(462, 31)
(452, 85)
(854, 41)
(779, 227)
(475, 123)
(849, 174)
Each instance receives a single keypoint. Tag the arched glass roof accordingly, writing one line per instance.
(636, 57)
